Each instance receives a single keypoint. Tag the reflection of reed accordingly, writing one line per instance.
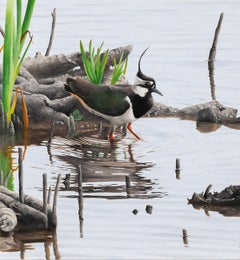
(80, 200)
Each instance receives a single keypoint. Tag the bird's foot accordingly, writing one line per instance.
(129, 127)
(111, 137)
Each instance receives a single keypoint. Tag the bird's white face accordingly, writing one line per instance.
(140, 87)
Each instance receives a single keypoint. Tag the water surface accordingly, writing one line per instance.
(179, 35)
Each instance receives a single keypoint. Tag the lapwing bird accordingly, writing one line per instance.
(118, 104)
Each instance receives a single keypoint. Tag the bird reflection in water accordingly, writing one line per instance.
(104, 169)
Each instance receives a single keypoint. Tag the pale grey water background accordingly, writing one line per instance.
(180, 35)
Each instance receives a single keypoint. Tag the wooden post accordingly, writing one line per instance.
(49, 195)
(45, 197)
(185, 236)
(54, 208)
(177, 170)
(20, 175)
(149, 209)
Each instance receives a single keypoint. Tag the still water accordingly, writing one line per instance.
(180, 35)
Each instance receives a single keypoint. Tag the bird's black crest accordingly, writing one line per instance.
(140, 74)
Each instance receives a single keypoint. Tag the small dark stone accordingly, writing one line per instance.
(149, 209)
(135, 211)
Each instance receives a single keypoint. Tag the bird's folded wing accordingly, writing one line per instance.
(107, 101)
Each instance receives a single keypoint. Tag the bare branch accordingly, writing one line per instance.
(52, 32)
(213, 50)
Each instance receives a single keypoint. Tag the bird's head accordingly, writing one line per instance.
(144, 84)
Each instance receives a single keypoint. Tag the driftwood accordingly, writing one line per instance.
(42, 67)
(8, 219)
(226, 202)
(43, 77)
(24, 212)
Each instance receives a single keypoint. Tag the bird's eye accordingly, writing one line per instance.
(148, 84)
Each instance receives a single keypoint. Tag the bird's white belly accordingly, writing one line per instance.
(126, 117)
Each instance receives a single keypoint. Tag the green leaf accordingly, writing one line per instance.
(14, 39)
(94, 65)
(77, 115)
(119, 69)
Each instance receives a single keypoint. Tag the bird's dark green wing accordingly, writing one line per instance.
(107, 101)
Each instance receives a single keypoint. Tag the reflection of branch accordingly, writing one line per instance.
(52, 32)
(211, 57)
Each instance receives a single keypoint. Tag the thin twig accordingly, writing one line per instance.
(52, 32)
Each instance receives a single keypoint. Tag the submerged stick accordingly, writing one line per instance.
(52, 32)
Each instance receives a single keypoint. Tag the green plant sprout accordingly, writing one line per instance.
(119, 69)
(14, 51)
(94, 64)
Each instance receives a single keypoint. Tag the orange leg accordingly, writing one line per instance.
(111, 136)
(129, 127)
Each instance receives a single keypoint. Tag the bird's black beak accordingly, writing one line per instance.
(157, 91)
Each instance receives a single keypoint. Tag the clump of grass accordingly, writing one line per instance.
(14, 51)
(95, 63)
(119, 69)
(94, 66)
